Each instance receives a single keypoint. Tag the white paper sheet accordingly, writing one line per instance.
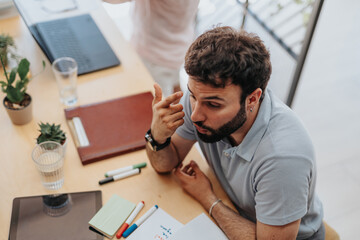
(159, 226)
(200, 228)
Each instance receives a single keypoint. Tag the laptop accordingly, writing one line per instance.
(78, 37)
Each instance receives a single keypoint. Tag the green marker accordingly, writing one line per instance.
(124, 169)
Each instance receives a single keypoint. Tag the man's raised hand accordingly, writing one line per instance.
(167, 115)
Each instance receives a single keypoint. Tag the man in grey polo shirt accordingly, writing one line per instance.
(257, 147)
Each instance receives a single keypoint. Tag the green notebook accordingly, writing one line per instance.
(112, 215)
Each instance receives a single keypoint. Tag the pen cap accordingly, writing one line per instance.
(140, 165)
(121, 230)
(129, 230)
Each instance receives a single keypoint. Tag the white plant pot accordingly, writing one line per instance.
(19, 116)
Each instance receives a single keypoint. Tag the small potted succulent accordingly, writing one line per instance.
(7, 44)
(17, 102)
(51, 132)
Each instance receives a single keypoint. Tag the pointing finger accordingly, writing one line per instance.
(158, 93)
(173, 98)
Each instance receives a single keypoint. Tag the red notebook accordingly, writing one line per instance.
(112, 127)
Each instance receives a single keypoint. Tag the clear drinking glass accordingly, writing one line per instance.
(65, 70)
(49, 160)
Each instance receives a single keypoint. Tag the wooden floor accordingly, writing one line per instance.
(327, 100)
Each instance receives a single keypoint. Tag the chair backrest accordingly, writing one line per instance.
(330, 233)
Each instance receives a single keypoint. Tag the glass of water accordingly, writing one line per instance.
(65, 70)
(49, 160)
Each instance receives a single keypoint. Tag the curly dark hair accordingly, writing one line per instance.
(224, 55)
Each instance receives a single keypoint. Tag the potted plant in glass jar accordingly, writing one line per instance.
(51, 132)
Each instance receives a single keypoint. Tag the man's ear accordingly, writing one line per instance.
(253, 99)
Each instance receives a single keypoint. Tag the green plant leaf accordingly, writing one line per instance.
(14, 95)
(51, 133)
(3, 89)
(4, 68)
(23, 68)
(12, 76)
(21, 84)
(3, 86)
(41, 139)
(6, 40)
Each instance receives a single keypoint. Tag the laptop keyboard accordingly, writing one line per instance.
(67, 45)
(77, 37)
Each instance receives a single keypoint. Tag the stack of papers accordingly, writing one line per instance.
(200, 227)
(161, 226)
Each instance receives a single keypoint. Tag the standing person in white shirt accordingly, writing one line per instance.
(163, 31)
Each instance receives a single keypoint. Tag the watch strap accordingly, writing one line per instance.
(155, 145)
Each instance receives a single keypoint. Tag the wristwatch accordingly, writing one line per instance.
(153, 144)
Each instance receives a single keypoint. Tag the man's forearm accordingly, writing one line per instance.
(197, 184)
(164, 160)
(233, 225)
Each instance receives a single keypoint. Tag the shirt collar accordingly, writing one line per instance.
(246, 149)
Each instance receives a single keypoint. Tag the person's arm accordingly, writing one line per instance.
(167, 117)
(170, 157)
(195, 182)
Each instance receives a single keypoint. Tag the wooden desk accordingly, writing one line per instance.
(19, 176)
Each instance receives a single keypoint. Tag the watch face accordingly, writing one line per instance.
(148, 137)
(151, 146)
(150, 141)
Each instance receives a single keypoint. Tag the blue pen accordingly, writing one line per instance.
(140, 221)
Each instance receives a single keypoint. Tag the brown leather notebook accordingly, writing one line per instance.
(106, 129)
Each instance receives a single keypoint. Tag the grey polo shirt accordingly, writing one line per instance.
(271, 175)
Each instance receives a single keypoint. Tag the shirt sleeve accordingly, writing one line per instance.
(186, 130)
(282, 190)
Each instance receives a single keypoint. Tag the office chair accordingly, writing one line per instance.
(330, 233)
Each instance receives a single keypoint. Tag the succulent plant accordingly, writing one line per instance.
(50, 133)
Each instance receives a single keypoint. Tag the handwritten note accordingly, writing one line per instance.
(159, 226)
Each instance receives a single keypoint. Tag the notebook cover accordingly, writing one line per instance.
(112, 215)
(113, 127)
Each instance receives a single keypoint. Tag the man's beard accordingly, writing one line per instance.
(226, 129)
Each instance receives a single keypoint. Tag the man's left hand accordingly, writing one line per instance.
(196, 183)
